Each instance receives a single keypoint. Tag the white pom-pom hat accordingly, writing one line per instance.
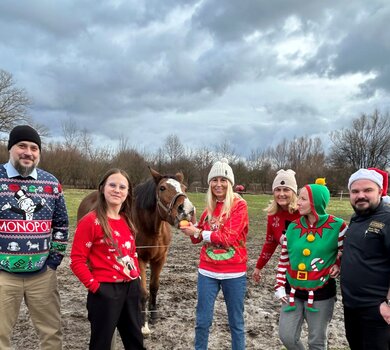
(285, 178)
(221, 168)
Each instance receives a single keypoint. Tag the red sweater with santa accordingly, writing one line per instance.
(276, 226)
(226, 252)
(93, 260)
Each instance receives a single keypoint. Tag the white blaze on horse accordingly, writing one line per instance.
(159, 203)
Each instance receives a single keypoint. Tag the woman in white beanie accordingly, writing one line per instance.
(281, 212)
(222, 229)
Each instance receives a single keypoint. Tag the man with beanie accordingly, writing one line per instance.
(33, 238)
(365, 263)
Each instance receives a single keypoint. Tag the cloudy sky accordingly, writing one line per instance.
(247, 72)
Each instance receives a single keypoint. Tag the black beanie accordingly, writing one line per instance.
(23, 133)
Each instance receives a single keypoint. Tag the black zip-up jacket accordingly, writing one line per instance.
(365, 264)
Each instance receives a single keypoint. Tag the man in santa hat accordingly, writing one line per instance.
(365, 263)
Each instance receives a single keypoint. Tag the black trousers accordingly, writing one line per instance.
(115, 305)
(366, 329)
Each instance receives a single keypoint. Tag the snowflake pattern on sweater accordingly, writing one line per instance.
(33, 222)
(93, 260)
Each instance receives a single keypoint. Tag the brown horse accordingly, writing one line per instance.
(158, 203)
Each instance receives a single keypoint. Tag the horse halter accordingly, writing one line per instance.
(168, 209)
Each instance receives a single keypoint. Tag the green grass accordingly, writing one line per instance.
(73, 198)
(256, 206)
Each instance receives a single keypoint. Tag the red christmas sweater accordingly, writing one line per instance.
(93, 261)
(226, 253)
(276, 226)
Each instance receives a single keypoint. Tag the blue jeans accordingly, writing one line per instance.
(233, 290)
(290, 324)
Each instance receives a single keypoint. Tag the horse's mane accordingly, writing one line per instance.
(145, 193)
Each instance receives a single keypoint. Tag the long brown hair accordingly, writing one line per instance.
(126, 208)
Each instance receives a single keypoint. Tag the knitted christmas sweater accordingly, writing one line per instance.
(33, 222)
(226, 253)
(276, 226)
(93, 260)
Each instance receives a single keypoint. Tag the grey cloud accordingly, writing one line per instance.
(357, 43)
(129, 62)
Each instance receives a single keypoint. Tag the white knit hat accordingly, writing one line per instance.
(285, 178)
(221, 168)
(366, 174)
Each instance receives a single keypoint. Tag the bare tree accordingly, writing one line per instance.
(123, 144)
(71, 133)
(260, 172)
(13, 103)
(130, 160)
(173, 148)
(203, 159)
(225, 150)
(307, 158)
(365, 144)
(305, 155)
(280, 155)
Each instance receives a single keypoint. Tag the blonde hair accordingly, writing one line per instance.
(211, 202)
(274, 207)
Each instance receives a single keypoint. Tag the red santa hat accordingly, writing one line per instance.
(385, 176)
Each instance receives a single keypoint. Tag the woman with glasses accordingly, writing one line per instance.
(104, 259)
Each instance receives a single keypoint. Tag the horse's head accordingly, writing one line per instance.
(173, 204)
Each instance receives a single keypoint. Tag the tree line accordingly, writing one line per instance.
(78, 163)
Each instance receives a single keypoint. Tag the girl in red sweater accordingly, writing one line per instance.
(222, 229)
(281, 212)
(104, 259)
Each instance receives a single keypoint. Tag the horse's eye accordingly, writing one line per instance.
(162, 188)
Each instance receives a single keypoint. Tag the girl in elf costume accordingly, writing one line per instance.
(307, 268)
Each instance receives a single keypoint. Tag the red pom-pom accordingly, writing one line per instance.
(134, 273)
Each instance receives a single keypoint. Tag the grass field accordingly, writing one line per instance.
(256, 204)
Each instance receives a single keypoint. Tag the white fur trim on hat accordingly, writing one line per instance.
(221, 168)
(366, 174)
(285, 178)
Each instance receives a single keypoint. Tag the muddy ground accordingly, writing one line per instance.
(174, 329)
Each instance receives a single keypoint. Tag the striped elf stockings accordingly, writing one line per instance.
(310, 301)
(291, 301)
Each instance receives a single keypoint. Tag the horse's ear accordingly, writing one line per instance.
(156, 175)
(180, 177)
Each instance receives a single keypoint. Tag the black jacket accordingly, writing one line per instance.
(365, 264)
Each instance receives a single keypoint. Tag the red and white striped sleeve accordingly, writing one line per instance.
(283, 263)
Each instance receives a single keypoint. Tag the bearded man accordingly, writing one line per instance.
(33, 214)
(365, 263)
